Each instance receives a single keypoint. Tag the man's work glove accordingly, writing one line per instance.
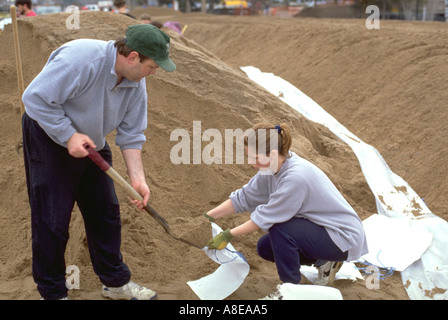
(220, 241)
(211, 219)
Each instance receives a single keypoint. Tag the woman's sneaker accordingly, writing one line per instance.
(327, 272)
(130, 291)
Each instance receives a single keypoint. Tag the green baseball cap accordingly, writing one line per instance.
(151, 42)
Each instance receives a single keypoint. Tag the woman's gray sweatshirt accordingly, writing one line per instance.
(300, 189)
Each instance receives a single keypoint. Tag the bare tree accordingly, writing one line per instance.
(411, 8)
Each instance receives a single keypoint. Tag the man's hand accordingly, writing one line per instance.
(75, 145)
(143, 189)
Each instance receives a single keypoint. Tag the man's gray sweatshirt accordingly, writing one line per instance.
(76, 92)
(300, 189)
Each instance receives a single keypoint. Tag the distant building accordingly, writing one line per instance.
(434, 10)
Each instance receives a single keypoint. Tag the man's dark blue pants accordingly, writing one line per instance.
(55, 181)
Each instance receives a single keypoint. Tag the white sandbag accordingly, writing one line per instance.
(231, 273)
(291, 291)
(393, 242)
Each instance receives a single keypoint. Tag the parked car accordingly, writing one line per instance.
(91, 7)
(47, 9)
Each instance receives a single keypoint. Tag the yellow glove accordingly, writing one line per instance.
(220, 241)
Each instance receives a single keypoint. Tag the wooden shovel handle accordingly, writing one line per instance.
(97, 158)
(106, 167)
(15, 32)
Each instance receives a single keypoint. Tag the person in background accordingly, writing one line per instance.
(157, 24)
(87, 89)
(174, 25)
(306, 219)
(122, 8)
(24, 8)
(145, 18)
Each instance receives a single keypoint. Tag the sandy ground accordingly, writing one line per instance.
(386, 86)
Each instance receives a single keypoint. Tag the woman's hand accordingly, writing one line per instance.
(220, 241)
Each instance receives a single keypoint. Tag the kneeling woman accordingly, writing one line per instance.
(306, 218)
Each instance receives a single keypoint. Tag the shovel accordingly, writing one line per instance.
(18, 58)
(15, 32)
(107, 168)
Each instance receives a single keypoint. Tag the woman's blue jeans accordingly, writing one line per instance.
(297, 242)
(55, 181)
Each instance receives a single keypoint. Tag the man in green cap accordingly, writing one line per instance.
(87, 89)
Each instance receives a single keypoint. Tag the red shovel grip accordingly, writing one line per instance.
(97, 158)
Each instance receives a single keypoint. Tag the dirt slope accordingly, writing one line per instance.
(206, 89)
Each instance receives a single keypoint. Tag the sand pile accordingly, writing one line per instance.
(386, 86)
(204, 88)
(194, 230)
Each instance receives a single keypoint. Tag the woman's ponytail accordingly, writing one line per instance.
(259, 131)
